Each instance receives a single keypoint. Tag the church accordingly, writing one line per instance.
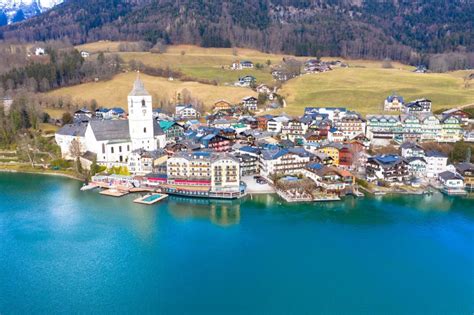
(112, 141)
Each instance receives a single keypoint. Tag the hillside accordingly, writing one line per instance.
(362, 87)
(114, 92)
(350, 28)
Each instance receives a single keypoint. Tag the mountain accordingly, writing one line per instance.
(18, 10)
(397, 29)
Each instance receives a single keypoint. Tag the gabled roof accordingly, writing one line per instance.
(75, 130)
(435, 153)
(110, 129)
(448, 175)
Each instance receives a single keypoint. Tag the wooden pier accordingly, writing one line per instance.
(113, 192)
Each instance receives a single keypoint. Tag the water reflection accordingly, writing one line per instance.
(219, 212)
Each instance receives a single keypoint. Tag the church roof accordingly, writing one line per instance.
(138, 88)
(110, 130)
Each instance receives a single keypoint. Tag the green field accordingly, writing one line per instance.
(365, 89)
(362, 87)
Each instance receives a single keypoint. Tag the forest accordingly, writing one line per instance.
(408, 31)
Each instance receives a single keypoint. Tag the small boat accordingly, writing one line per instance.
(88, 187)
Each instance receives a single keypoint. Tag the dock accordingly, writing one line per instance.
(150, 199)
(113, 192)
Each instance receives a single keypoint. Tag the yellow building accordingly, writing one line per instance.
(331, 151)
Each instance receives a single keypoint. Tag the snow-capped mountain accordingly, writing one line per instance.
(18, 10)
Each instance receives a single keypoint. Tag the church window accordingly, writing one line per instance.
(144, 130)
(120, 150)
(143, 103)
(128, 147)
(103, 147)
(111, 149)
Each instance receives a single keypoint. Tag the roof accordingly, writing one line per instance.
(435, 153)
(447, 175)
(410, 145)
(138, 88)
(395, 96)
(464, 166)
(166, 124)
(75, 130)
(110, 129)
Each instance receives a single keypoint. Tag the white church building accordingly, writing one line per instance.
(114, 140)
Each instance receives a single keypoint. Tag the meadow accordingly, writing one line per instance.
(114, 92)
(363, 86)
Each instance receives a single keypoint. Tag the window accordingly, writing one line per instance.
(143, 103)
(111, 149)
(144, 130)
(103, 148)
(120, 150)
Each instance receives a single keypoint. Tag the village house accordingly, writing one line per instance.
(420, 106)
(283, 161)
(331, 150)
(451, 130)
(293, 130)
(275, 124)
(246, 81)
(411, 149)
(335, 135)
(141, 162)
(250, 103)
(393, 103)
(333, 113)
(430, 128)
(466, 170)
(331, 179)
(351, 125)
(453, 183)
(389, 168)
(381, 129)
(461, 115)
(222, 105)
(240, 65)
(248, 164)
(186, 111)
(417, 166)
(173, 131)
(263, 89)
(436, 163)
(411, 128)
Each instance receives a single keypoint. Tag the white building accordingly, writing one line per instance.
(436, 163)
(114, 140)
(186, 112)
(283, 161)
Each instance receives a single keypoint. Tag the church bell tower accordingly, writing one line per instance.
(140, 117)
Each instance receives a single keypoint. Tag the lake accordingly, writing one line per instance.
(67, 251)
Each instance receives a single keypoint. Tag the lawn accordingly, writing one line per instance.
(364, 89)
(114, 92)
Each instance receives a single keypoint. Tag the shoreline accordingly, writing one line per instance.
(49, 173)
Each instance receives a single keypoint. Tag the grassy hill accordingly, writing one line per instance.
(362, 87)
(365, 89)
(114, 92)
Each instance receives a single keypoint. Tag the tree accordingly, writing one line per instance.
(79, 165)
(67, 118)
(75, 149)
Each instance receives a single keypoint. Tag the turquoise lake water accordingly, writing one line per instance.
(67, 251)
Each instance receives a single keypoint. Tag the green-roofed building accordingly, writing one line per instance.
(171, 129)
